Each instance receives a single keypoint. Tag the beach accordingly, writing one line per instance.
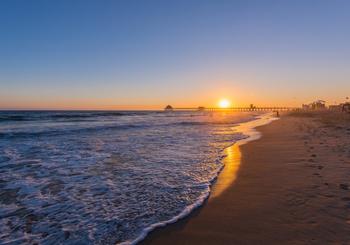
(291, 187)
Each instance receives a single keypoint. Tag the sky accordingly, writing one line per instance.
(72, 54)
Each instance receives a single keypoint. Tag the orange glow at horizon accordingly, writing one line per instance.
(205, 98)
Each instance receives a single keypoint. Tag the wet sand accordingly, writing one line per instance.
(292, 187)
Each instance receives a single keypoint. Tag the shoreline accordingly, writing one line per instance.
(225, 177)
(232, 159)
(289, 189)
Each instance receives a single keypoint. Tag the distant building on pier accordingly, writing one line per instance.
(168, 108)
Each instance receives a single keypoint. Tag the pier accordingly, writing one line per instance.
(238, 109)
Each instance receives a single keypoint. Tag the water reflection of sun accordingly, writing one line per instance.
(231, 162)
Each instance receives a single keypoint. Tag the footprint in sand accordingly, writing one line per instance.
(344, 186)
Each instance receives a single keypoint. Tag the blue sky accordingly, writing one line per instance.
(145, 54)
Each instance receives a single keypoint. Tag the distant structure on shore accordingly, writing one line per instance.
(321, 105)
(316, 105)
(346, 107)
(335, 107)
(343, 107)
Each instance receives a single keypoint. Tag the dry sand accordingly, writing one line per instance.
(293, 187)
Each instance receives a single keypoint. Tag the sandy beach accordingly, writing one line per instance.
(292, 187)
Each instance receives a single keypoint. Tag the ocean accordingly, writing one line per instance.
(106, 177)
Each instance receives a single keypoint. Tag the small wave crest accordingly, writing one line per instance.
(18, 116)
(57, 132)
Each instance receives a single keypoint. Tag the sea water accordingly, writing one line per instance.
(106, 177)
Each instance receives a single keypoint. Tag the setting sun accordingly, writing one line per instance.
(224, 103)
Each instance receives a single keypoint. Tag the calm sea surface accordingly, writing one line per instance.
(105, 177)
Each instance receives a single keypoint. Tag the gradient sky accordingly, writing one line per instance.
(147, 54)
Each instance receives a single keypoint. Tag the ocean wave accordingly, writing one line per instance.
(18, 116)
(56, 132)
(83, 128)
(5, 118)
(184, 213)
(189, 123)
(107, 182)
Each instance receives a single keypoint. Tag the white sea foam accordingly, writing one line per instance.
(251, 134)
(106, 178)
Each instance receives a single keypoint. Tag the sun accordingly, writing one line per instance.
(224, 103)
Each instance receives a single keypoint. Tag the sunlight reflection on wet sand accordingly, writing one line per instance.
(232, 160)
